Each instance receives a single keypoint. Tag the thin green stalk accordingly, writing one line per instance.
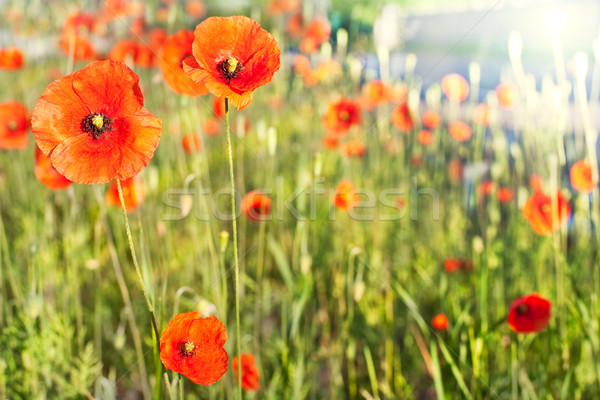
(158, 365)
(236, 267)
(135, 261)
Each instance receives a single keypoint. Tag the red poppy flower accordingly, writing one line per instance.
(354, 148)
(175, 49)
(93, 126)
(283, 6)
(301, 64)
(191, 143)
(316, 33)
(485, 188)
(256, 206)
(295, 26)
(536, 182)
(460, 131)
(11, 58)
(232, 57)
(218, 105)
(133, 193)
(331, 142)
(538, 211)
(195, 8)
(455, 87)
(458, 264)
(431, 119)
(124, 50)
(14, 122)
(529, 314)
(374, 93)
(506, 94)
(80, 46)
(193, 346)
(402, 118)
(425, 137)
(581, 177)
(341, 115)
(250, 372)
(79, 23)
(47, 174)
(455, 170)
(345, 196)
(505, 195)
(481, 115)
(211, 126)
(440, 322)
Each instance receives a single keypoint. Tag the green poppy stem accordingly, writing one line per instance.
(236, 266)
(158, 371)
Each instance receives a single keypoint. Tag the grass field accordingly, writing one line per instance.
(337, 291)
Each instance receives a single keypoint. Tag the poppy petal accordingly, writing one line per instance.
(57, 115)
(118, 96)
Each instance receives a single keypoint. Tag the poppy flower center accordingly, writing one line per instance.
(523, 309)
(546, 208)
(187, 349)
(12, 125)
(229, 69)
(344, 115)
(96, 124)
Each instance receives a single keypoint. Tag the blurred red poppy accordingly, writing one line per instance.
(425, 137)
(455, 87)
(47, 174)
(581, 177)
(80, 46)
(505, 195)
(14, 123)
(536, 182)
(191, 143)
(11, 58)
(93, 126)
(455, 170)
(211, 126)
(250, 372)
(402, 118)
(341, 115)
(124, 51)
(460, 131)
(317, 32)
(481, 115)
(195, 8)
(529, 314)
(175, 49)
(458, 264)
(345, 196)
(256, 206)
(193, 346)
(506, 94)
(538, 211)
(133, 193)
(440, 322)
(218, 105)
(354, 148)
(486, 188)
(431, 119)
(232, 57)
(374, 93)
(331, 142)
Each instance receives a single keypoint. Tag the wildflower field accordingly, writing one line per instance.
(279, 191)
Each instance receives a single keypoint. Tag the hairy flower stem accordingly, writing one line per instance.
(236, 266)
(143, 286)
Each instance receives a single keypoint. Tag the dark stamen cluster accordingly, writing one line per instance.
(184, 350)
(226, 74)
(88, 126)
